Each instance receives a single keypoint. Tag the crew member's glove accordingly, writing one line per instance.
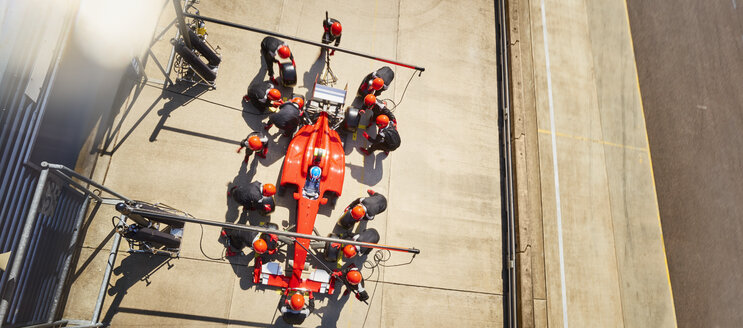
(362, 296)
(267, 207)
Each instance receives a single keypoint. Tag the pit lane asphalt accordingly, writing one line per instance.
(688, 56)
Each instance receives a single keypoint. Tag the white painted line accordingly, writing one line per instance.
(735, 5)
(554, 163)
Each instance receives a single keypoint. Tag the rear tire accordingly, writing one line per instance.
(351, 119)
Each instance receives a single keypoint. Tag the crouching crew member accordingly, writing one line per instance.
(255, 196)
(255, 142)
(378, 108)
(363, 208)
(375, 204)
(387, 138)
(349, 218)
(333, 252)
(294, 310)
(367, 236)
(270, 48)
(377, 81)
(333, 30)
(288, 116)
(352, 275)
(265, 243)
(235, 241)
(263, 96)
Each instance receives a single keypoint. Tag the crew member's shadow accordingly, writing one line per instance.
(331, 312)
(315, 71)
(371, 173)
(135, 268)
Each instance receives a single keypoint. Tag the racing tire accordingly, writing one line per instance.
(351, 119)
(288, 74)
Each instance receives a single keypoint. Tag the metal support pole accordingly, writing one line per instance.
(170, 61)
(130, 210)
(68, 259)
(84, 178)
(284, 36)
(181, 22)
(107, 274)
(20, 252)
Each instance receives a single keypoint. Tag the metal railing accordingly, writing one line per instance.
(38, 273)
(33, 53)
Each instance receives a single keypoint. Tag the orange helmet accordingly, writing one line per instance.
(269, 189)
(274, 94)
(377, 83)
(358, 211)
(284, 52)
(336, 29)
(370, 100)
(353, 277)
(349, 251)
(260, 246)
(255, 143)
(382, 120)
(299, 101)
(297, 302)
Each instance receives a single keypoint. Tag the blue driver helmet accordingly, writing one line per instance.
(315, 173)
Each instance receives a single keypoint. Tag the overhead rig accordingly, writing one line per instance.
(155, 213)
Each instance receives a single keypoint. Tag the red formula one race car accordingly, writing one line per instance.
(314, 166)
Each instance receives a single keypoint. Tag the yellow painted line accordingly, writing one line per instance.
(650, 161)
(594, 140)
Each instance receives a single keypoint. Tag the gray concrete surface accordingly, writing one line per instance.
(688, 59)
(442, 183)
(615, 272)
